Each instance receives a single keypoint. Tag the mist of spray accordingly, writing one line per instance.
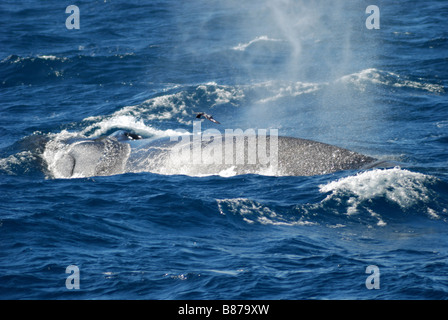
(291, 55)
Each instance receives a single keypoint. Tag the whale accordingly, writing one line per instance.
(199, 155)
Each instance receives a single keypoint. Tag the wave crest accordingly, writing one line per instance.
(371, 198)
(387, 78)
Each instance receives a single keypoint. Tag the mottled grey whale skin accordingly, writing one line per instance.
(301, 157)
(87, 158)
(119, 153)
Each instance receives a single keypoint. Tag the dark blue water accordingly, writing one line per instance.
(309, 69)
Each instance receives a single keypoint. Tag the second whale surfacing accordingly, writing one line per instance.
(122, 152)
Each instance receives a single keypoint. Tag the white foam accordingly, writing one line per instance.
(387, 78)
(293, 89)
(170, 104)
(254, 212)
(18, 59)
(244, 46)
(402, 187)
(47, 57)
(221, 94)
(432, 213)
(224, 95)
(180, 105)
(124, 122)
(229, 172)
(7, 164)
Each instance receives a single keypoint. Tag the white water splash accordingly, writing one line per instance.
(244, 46)
(402, 187)
(253, 212)
(387, 78)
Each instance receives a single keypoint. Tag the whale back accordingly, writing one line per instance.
(301, 157)
(279, 156)
(216, 155)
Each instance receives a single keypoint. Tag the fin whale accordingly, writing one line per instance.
(123, 152)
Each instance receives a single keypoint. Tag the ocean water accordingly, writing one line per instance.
(311, 69)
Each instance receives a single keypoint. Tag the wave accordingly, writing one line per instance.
(38, 69)
(20, 163)
(372, 198)
(31, 70)
(270, 91)
(103, 126)
(252, 211)
(182, 105)
(14, 59)
(244, 46)
(386, 78)
(400, 187)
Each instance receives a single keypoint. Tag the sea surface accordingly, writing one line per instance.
(311, 69)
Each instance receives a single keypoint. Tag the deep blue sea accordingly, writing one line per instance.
(311, 69)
